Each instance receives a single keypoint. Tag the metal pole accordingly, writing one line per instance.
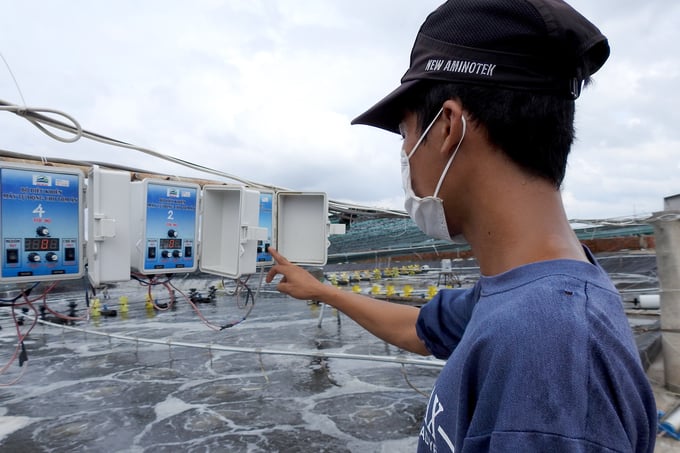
(322, 306)
(667, 239)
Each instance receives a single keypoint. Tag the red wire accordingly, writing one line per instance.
(151, 282)
(20, 341)
(198, 312)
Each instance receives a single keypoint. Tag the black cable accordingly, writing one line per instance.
(11, 302)
(249, 297)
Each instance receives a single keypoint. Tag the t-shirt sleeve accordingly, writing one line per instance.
(443, 320)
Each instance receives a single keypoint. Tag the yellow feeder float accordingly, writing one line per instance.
(95, 308)
(123, 304)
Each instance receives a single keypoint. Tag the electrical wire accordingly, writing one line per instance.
(205, 320)
(249, 294)
(171, 302)
(19, 352)
(44, 306)
(249, 303)
(16, 83)
(153, 280)
(11, 301)
(20, 349)
(408, 382)
(37, 117)
(241, 286)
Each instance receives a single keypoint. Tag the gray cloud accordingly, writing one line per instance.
(266, 89)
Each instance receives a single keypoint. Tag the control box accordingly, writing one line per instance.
(41, 223)
(164, 226)
(266, 221)
(301, 227)
(108, 226)
(229, 230)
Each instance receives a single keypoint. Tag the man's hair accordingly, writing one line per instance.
(535, 130)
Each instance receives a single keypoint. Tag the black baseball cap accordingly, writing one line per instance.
(535, 45)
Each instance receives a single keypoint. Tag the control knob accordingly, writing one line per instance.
(52, 257)
(172, 233)
(43, 231)
(33, 257)
(176, 254)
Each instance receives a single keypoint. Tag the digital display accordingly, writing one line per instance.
(41, 244)
(171, 243)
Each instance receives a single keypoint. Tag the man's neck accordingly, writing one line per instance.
(535, 229)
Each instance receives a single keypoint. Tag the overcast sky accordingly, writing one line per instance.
(266, 90)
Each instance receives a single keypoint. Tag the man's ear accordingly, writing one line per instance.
(453, 125)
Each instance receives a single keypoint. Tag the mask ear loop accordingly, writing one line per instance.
(422, 137)
(446, 169)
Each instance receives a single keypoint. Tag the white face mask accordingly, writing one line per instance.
(427, 212)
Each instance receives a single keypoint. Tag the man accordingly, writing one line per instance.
(540, 356)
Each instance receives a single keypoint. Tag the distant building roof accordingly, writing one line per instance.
(672, 203)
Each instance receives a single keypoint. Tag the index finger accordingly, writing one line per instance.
(277, 256)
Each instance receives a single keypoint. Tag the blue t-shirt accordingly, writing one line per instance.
(540, 359)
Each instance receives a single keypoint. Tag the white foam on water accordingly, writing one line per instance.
(83, 367)
(170, 407)
(9, 424)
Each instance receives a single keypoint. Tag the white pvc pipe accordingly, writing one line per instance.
(673, 420)
(649, 301)
(217, 347)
